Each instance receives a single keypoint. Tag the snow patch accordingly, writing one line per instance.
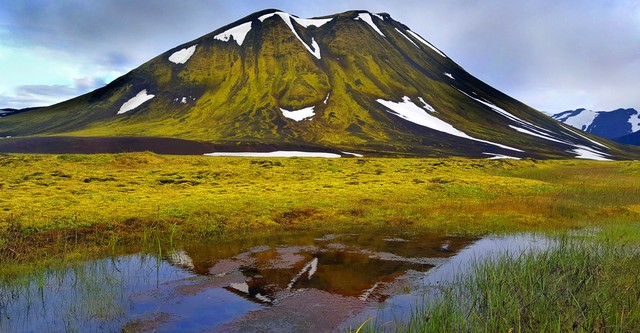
(427, 106)
(327, 98)
(299, 115)
(182, 56)
(266, 16)
(582, 120)
(290, 153)
(498, 109)
(449, 75)
(238, 33)
(352, 154)
(184, 100)
(311, 22)
(366, 17)
(535, 130)
(425, 42)
(634, 120)
(407, 37)
(581, 151)
(501, 157)
(542, 136)
(584, 152)
(586, 138)
(314, 48)
(136, 101)
(409, 111)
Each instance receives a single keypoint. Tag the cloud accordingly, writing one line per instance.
(549, 54)
(87, 83)
(44, 95)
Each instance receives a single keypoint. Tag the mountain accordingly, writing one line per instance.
(8, 111)
(354, 81)
(630, 139)
(607, 124)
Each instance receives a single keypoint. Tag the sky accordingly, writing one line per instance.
(553, 55)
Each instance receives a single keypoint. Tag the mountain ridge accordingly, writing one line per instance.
(612, 125)
(353, 81)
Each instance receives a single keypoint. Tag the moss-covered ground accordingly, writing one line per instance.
(51, 203)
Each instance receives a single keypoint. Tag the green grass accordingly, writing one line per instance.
(575, 286)
(55, 202)
(67, 207)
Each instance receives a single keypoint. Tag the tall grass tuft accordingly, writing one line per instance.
(576, 286)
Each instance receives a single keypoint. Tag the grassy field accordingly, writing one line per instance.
(50, 203)
(56, 207)
(574, 286)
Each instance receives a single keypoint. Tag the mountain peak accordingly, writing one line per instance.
(607, 124)
(353, 81)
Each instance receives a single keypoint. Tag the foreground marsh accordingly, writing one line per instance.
(574, 286)
(56, 211)
(257, 284)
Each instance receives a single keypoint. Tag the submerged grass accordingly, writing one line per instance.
(574, 286)
(52, 203)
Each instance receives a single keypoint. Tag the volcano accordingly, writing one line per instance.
(356, 81)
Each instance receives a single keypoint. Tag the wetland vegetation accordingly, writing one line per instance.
(59, 210)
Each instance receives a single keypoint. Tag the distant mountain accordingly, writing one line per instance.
(8, 111)
(607, 124)
(630, 139)
(355, 81)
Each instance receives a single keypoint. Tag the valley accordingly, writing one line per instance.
(340, 165)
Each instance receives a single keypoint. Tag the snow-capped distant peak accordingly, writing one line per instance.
(238, 33)
(634, 120)
(607, 124)
(182, 56)
(366, 17)
(580, 119)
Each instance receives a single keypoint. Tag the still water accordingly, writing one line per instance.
(285, 283)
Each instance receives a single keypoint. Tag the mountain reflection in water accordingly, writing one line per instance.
(288, 282)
